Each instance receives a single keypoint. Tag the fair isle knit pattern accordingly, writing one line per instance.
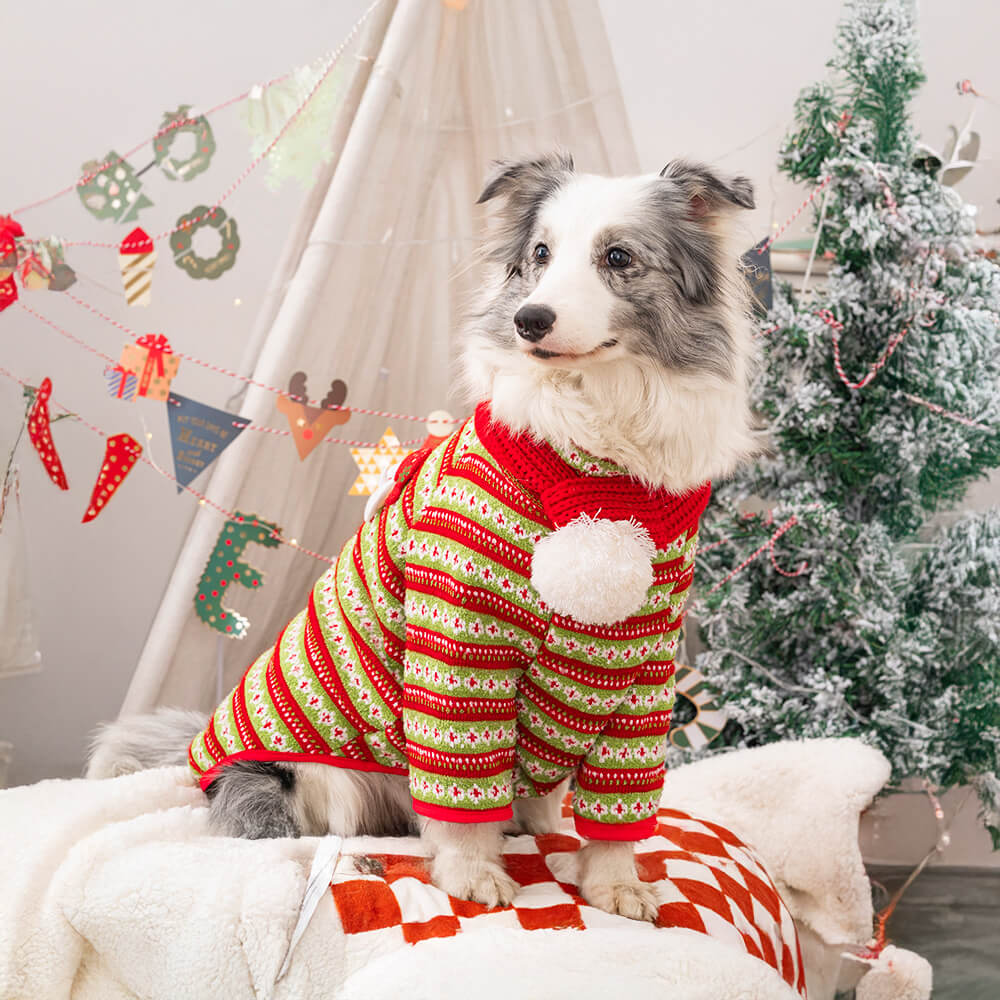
(426, 651)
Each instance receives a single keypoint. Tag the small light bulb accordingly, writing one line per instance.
(237, 302)
(293, 541)
(149, 435)
(201, 503)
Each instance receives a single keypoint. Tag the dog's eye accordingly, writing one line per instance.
(541, 253)
(617, 257)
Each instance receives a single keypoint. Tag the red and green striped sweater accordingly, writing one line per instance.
(428, 651)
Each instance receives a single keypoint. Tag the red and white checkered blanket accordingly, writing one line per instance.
(707, 881)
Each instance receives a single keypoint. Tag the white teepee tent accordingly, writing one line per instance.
(371, 284)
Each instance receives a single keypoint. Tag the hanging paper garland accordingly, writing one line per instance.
(310, 424)
(199, 434)
(229, 242)
(709, 719)
(372, 462)
(136, 257)
(186, 169)
(113, 190)
(40, 434)
(152, 359)
(224, 567)
(121, 453)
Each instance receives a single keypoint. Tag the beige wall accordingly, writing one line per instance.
(712, 80)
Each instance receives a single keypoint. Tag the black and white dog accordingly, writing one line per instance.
(617, 322)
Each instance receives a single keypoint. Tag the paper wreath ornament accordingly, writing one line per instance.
(310, 424)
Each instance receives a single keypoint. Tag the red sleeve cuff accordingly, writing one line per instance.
(593, 830)
(452, 815)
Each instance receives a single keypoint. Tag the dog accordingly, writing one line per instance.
(520, 591)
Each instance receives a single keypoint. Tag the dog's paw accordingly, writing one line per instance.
(481, 882)
(634, 900)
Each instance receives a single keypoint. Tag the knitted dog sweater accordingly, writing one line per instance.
(426, 650)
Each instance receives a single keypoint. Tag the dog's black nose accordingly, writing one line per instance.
(533, 322)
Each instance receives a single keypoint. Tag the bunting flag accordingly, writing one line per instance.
(199, 434)
(40, 433)
(757, 267)
(372, 462)
(224, 568)
(121, 453)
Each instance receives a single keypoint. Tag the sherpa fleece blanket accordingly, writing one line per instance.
(114, 889)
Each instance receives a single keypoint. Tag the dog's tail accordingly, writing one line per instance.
(139, 742)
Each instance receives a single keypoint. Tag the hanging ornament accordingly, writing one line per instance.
(122, 382)
(310, 424)
(113, 190)
(184, 168)
(709, 719)
(440, 426)
(183, 250)
(40, 433)
(224, 567)
(121, 453)
(136, 257)
(9, 232)
(41, 264)
(199, 434)
(305, 143)
(372, 462)
(152, 359)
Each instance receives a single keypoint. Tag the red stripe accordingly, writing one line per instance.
(451, 708)
(244, 726)
(381, 678)
(389, 573)
(466, 765)
(639, 627)
(475, 469)
(593, 830)
(587, 674)
(326, 671)
(312, 758)
(443, 649)
(528, 742)
(215, 749)
(653, 724)
(289, 709)
(626, 782)
(444, 523)
(580, 722)
(439, 584)
(453, 814)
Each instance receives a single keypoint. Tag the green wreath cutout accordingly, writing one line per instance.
(183, 251)
(204, 145)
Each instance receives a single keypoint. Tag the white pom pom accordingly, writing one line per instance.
(594, 570)
(897, 975)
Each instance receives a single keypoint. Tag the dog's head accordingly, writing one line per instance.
(615, 287)
(597, 267)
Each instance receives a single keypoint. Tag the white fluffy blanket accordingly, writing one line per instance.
(113, 889)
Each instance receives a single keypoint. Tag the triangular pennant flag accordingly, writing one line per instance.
(757, 267)
(199, 434)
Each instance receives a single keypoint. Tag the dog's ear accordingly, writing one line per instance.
(708, 192)
(544, 173)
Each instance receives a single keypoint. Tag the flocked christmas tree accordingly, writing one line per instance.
(867, 617)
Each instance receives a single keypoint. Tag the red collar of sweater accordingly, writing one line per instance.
(566, 492)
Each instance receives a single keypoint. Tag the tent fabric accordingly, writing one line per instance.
(375, 293)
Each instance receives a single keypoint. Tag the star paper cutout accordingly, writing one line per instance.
(372, 462)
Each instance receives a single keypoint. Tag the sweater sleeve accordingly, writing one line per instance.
(620, 780)
(473, 624)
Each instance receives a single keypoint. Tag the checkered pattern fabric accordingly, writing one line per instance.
(706, 879)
